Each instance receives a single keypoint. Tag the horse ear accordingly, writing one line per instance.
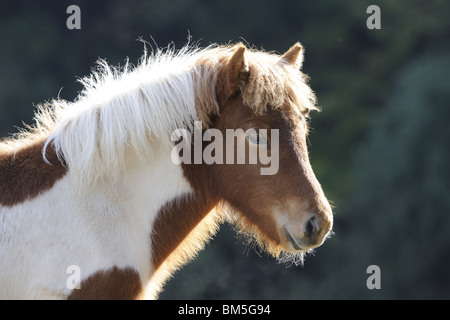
(294, 56)
(238, 69)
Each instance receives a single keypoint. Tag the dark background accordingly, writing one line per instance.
(380, 147)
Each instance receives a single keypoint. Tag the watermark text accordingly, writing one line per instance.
(234, 146)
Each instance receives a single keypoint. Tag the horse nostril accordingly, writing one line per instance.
(311, 227)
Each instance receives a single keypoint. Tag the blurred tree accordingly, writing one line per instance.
(401, 195)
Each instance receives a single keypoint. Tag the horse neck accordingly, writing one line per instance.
(176, 210)
(162, 197)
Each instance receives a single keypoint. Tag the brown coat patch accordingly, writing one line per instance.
(179, 217)
(24, 174)
(174, 223)
(112, 284)
(184, 225)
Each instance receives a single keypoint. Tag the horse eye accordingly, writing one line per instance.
(256, 137)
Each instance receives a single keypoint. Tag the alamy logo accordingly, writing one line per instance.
(74, 20)
(374, 20)
(231, 149)
(374, 280)
(74, 280)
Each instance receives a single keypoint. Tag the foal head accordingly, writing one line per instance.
(265, 95)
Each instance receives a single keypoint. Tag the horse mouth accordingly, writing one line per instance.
(292, 240)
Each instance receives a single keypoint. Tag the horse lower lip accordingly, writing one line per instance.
(291, 239)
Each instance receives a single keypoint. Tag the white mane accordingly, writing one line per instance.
(122, 109)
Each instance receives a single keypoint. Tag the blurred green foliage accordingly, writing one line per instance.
(380, 147)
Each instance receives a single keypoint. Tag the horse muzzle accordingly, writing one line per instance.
(313, 232)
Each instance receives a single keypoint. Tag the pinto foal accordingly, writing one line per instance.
(93, 185)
